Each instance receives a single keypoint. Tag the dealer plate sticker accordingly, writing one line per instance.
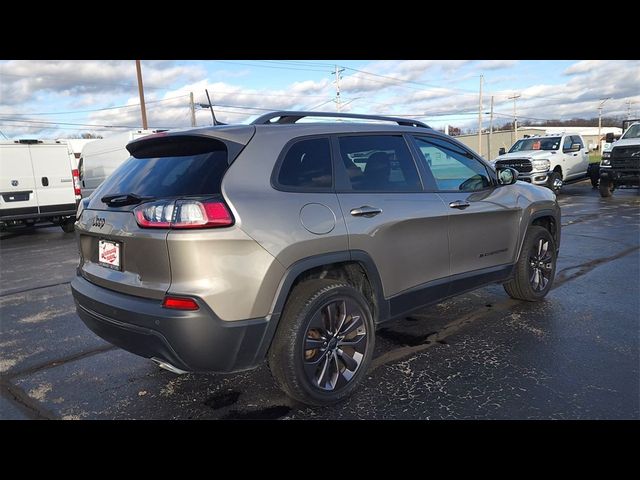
(109, 254)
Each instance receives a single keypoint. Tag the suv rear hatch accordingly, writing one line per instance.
(123, 229)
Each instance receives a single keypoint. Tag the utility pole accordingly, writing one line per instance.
(143, 109)
(337, 83)
(515, 117)
(192, 107)
(629, 102)
(490, 130)
(480, 118)
(602, 102)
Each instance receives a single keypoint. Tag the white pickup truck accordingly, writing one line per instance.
(548, 160)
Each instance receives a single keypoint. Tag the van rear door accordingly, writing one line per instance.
(18, 194)
(53, 177)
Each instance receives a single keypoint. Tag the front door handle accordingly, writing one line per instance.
(365, 211)
(45, 182)
(459, 204)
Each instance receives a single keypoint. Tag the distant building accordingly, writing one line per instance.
(505, 138)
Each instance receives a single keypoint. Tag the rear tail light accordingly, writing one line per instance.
(76, 182)
(182, 214)
(180, 303)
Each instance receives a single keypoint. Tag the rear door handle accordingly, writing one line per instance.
(459, 204)
(365, 211)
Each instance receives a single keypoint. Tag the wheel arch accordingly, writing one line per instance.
(325, 262)
(340, 265)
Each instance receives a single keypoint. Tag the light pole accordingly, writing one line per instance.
(515, 118)
(602, 102)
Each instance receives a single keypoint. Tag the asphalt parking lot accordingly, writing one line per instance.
(479, 356)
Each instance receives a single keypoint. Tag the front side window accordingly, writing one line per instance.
(307, 165)
(379, 163)
(452, 168)
(566, 146)
(578, 140)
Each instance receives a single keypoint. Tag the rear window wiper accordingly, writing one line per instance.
(124, 199)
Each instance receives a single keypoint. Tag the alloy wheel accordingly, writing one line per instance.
(335, 343)
(540, 265)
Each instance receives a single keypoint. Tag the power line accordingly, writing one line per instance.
(269, 66)
(431, 86)
(69, 123)
(91, 82)
(94, 109)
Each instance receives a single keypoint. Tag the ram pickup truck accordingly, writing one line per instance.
(620, 165)
(548, 160)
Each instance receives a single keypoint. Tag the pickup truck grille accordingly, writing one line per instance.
(627, 158)
(522, 165)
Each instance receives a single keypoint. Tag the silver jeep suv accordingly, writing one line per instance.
(214, 248)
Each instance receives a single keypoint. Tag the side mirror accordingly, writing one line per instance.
(502, 151)
(608, 138)
(575, 147)
(507, 176)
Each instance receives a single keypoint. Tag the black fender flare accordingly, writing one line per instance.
(547, 212)
(301, 266)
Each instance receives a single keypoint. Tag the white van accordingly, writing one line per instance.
(38, 184)
(101, 157)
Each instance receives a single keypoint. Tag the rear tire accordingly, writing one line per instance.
(606, 188)
(536, 267)
(335, 320)
(68, 226)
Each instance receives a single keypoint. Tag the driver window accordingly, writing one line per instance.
(566, 146)
(452, 169)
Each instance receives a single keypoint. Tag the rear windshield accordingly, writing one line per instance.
(167, 176)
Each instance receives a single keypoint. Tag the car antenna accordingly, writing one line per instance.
(213, 115)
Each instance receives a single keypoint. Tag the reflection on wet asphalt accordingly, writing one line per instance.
(480, 355)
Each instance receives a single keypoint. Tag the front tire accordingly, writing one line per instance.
(324, 343)
(536, 267)
(555, 182)
(606, 188)
(68, 225)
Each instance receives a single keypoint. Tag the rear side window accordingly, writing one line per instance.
(307, 165)
(198, 173)
(379, 163)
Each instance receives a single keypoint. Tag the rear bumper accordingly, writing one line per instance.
(189, 340)
(38, 214)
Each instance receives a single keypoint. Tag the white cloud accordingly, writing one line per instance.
(96, 84)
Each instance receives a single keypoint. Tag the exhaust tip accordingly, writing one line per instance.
(167, 366)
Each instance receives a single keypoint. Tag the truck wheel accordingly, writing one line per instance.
(554, 182)
(536, 267)
(606, 188)
(68, 225)
(324, 342)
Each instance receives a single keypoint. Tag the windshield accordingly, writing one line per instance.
(546, 143)
(632, 132)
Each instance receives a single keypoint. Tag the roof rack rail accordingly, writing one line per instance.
(289, 117)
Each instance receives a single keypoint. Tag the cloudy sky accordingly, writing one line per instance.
(55, 99)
